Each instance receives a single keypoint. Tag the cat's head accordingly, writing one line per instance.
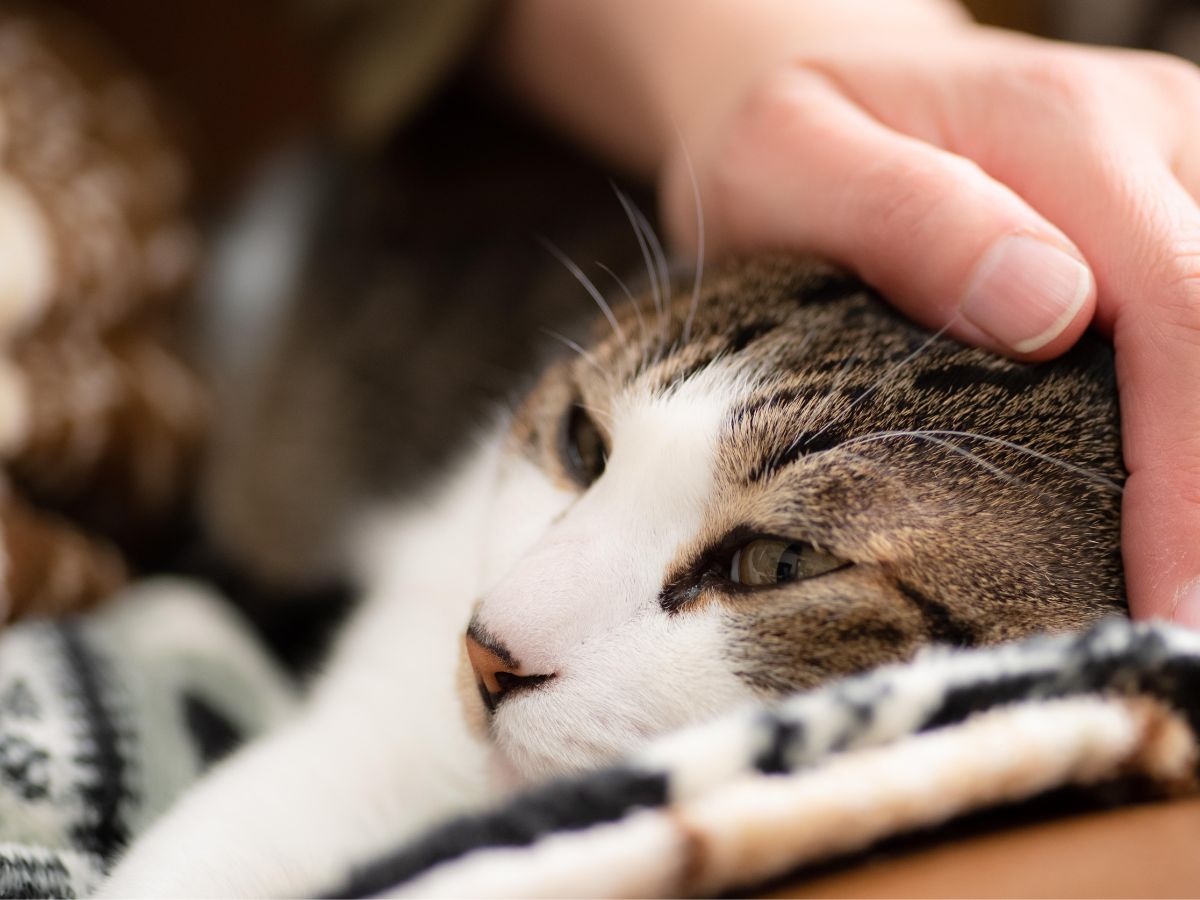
(783, 483)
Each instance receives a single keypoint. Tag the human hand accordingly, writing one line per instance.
(1015, 188)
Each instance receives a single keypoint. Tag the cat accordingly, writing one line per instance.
(725, 496)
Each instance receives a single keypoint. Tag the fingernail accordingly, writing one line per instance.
(1025, 292)
(1187, 606)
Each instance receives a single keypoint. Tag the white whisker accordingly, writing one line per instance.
(604, 415)
(814, 414)
(660, 258)
(655, 287)
(902, 486)
(587, 286)
(885, 376)
(588, 357)
(698, 280)
(637, 307)
(934, 433)
(949, 445)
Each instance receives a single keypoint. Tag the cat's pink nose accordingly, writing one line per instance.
(497, 674)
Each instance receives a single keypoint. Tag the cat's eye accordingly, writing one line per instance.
(767, 561)
(583, 449)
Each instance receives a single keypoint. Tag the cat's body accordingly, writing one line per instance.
(933, 493)
(722, 497)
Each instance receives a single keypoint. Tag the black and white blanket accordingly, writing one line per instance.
(103, 721)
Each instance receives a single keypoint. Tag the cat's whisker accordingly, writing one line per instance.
(643, 244)
(586, 355)
(637, 307)
(588, 286)
(948, 445)
(1011, 445)
(698, 280)
(872, 461)
(883, 379)
(655, 258)
(840, 379)
(660, 261)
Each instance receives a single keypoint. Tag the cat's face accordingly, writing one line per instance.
(793, 485)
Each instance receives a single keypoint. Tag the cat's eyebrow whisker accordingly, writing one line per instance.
(886, 375)
(1011, 445)
(587, 356)
(872, 461)
(655, 287)
(637, 307)
(698, 280)
(660, 258)
(660, 277)
(582, 278)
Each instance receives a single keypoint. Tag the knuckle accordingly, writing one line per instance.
(783, 110)
(1180, 467)
(1066, 80)
(785, 98)
(1179, 305)
(1171, 313)
(1177, 76)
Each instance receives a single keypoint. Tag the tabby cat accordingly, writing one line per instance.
(722, 499)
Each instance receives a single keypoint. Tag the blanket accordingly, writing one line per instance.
(106, 717)
(765, 792)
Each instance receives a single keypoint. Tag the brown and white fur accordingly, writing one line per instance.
(586, 545)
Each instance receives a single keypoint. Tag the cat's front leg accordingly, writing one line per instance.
(290, 814)
(382, 751)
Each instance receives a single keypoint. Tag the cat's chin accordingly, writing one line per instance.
(528, 745)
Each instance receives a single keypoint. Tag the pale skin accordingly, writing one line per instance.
(1014, 190)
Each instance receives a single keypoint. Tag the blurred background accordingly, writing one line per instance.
(247, 75)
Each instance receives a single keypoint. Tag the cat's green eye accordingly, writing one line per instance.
(768, 561)
(583, 450)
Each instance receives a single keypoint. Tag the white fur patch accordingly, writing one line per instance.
(581, 603)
